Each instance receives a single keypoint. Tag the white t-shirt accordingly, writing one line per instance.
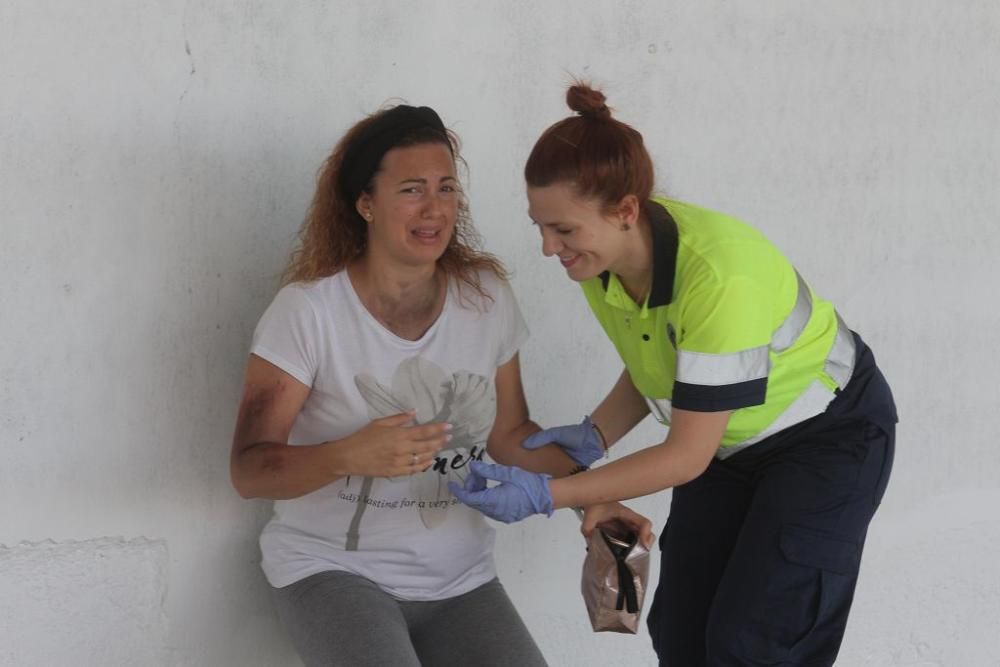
(409, 535)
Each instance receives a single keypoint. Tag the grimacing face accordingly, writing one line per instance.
(412, 210)
(578, 231)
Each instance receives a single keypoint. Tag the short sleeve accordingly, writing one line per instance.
(288, 335)
(723, 347)
(514, 331)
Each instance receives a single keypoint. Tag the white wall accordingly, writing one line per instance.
(156, 159)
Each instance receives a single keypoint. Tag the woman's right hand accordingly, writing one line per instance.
(264, 465)
(391, 447)
(595, 515)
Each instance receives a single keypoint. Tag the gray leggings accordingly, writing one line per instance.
(339, 618)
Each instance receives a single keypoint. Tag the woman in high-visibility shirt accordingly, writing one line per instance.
(782, 427)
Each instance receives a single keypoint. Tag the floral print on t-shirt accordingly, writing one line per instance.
(465, 400)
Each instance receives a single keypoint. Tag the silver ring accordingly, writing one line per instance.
(414, 459)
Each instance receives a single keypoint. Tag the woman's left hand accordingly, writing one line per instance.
(519, 495)
(595, 515)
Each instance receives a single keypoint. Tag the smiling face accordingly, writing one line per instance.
(578, 231)
(413, 205)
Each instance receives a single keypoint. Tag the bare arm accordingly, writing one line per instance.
(621, 410)
(513, 424)
(263, 465)
(690, 445)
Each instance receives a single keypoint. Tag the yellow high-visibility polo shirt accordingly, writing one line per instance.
(728, 325)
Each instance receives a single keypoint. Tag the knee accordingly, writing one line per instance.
(744, 634)
(803, 631)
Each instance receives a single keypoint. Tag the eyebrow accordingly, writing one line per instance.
(423, 181)
(554, 223)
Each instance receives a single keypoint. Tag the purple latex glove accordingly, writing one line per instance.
(519, 494)
(580, 441)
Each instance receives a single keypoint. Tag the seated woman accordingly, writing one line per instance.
(387, 363)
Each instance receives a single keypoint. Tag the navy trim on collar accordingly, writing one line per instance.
(664, 230)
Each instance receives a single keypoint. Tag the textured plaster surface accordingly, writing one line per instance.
(157, 158)
(84, 603)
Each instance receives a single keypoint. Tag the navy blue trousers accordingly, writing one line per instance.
(760, 554)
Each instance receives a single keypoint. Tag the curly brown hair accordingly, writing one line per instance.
(334, 233)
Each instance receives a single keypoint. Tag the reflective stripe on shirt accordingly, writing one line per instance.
(715, 370)
(814, 400)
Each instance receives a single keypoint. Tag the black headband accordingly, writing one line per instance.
(365, 154)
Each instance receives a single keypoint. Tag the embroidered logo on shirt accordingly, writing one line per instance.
(672, 335)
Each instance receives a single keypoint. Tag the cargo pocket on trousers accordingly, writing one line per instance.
(831, 564)
(804, 546)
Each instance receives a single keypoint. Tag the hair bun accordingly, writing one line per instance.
(587, 102)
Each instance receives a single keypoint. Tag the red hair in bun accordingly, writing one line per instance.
(587, 102)
(603, 158)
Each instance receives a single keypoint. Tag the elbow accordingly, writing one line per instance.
(241, 485)
(247, 475)
(689, 474)
(496, 453)
(246, 493)
(499, 452)
(682, 467)
(693, 469)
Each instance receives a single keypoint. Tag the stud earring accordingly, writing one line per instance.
(626, 227)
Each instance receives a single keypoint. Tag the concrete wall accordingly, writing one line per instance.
(156, 159)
